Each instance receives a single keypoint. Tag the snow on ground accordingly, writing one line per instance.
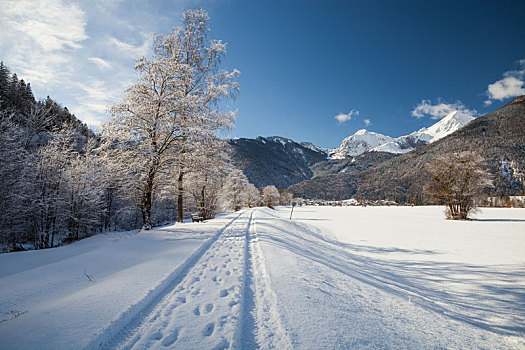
(374, 277)
(63, 309)
(398, 277)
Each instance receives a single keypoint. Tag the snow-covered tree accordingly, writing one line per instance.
(253, 196)
(201, 83)
(235, 191)
(50, 165)
(172, 108)
(84, 187)
(13, 165)
(210, 165)
(286, 197)
(38, 119)
(270, 196)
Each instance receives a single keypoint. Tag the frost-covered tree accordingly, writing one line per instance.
(13, 164)
(38, 119)
(40, 142)
(286, 197)
(50, 164)
(210, 165)
(172, 108)
(201, 83)
(457, 180)
(235, 191)
(270, 196)
(84, 187)
(253, 196)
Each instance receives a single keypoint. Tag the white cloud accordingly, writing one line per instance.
(341, 117)
(50, 24)
(367, 122)
(81, 53)
(511, 85)
(440, 110)
(93, 99)
(505, 88)
(101, 63)
(130, 50)
(39, 37)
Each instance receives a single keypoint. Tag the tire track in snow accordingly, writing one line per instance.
(260, 326)
(131, 319)
(203, 310)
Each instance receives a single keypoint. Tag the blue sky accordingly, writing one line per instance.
(387, 66)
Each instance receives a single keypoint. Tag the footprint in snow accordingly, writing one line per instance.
(208, 330)
(171, 338)
(223, 293)
(156, 336)
(196, 311)
(208, 308)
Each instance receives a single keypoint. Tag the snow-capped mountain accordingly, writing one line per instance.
(360, 142)
(403, 144)
(316, 148)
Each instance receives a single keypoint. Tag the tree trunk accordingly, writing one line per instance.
(202, 205)
(147, 201)
(109, 212)
(180, 208)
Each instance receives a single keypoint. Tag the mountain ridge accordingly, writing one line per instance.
(304, 167)
(499, 137)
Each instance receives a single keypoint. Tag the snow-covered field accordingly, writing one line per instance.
(374, 277)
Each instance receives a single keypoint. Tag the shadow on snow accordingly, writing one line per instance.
(497, 306)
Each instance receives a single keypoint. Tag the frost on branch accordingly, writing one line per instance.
(172, 112)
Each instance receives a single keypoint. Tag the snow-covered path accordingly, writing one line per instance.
(204, 309)
(224, 301)
(331, 278)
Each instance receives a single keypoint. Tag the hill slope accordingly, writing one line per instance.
(274, 160)
(498, 137)
(338, 179)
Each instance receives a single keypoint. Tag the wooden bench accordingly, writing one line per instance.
(196, 218)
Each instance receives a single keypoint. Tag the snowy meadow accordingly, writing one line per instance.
(168, 226)
(332, 277)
